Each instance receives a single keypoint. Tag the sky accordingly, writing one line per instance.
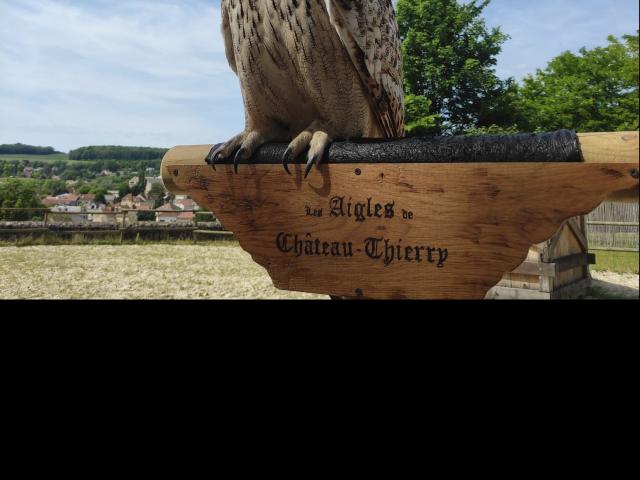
(154, 73)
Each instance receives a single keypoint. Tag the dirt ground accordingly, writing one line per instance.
(218, 271)
(615, 285)
(135, 272)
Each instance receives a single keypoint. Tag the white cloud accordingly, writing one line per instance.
(543, 29)
(120, 72)
(153, 72)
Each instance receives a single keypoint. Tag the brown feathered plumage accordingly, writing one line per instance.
(312, 71)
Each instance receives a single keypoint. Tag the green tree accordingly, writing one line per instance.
(84, 189)
(139, 187)
(100, 196)
(8, 170)
(21, 149)
(52, 187)
(449, 60)
(17, 193)
(123, 189)
(157, 193)
(592, 91)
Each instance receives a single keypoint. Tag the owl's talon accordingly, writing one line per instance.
(239, 156)
(212, 157)
(285, 160)
(310, 163)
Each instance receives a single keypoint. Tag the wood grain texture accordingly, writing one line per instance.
(609, 147)
(470, 223)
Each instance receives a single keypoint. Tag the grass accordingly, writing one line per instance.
(218, 270)
(618, 262)
(37, 158)
(44, 159)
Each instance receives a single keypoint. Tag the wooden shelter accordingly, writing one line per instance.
(555, 269)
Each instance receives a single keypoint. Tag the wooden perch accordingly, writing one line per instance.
(376, 226)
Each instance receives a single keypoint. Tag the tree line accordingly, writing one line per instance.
(22, 149)
(451, 86)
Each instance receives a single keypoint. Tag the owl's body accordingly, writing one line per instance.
(312, 71)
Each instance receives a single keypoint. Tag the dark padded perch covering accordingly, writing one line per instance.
(560, 146)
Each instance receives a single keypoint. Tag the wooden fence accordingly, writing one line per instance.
(122, 224)
(123, 217)
(613, 226)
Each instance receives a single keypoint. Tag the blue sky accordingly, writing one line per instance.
(154, 73)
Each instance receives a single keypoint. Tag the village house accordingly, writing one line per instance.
(134, 181)
(87, 198)
(64, 200)
(171, 214)
(50, 202)
(167, 213)
(134, 203)
(109, 219)
(73, 214)
(186, 204)
(127, 201)
(88, 202)
(186, 217)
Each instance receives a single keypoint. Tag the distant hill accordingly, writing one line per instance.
(22, 149)
(109, 152)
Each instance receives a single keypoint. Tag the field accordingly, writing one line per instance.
(213, 271)
(44, 159)
(219, 270)
(38, 158)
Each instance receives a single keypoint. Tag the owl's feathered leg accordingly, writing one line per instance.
(314, 137)
(244, 145)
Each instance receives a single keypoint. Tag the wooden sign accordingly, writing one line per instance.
(396, 230)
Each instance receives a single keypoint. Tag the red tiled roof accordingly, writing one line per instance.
(50, 201)
(68, 197)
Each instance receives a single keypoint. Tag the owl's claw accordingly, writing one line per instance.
(312, 160)
(239, 156)
(213, 156)
(286, 158)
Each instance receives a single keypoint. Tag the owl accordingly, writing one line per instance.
(312, 71)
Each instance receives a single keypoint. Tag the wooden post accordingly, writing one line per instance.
(617, 147)
(402, 230)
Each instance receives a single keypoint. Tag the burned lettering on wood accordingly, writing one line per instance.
(387, 251)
